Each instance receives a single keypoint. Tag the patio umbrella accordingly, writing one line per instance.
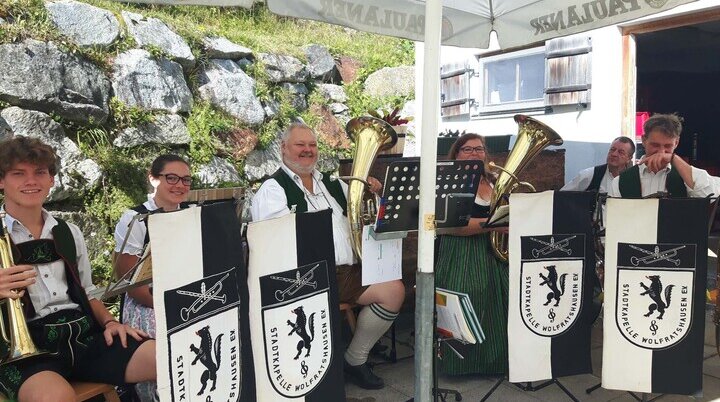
(465, 23)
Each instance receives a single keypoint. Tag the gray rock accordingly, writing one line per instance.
(85, 24)
(332, 92)
(141, 80)
(244, 63)
(298, 95)
(2, 21)
(152, 31)
(5, 130)
(280, 68)
(321, 64)
(261, 163)
(338, 108)
(391, 81)
(77, 173)
(271, 107)
(222, 48)
(217, 172)
(225, 85)
(165, 129)
(39, 76)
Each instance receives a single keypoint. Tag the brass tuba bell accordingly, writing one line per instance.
(533, 136)
(16, 336)
(371, 135)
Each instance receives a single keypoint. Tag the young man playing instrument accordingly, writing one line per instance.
(52, 276)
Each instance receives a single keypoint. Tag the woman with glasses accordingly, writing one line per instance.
(465, 263)
(170, 179)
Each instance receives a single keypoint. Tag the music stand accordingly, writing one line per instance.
(455, 189)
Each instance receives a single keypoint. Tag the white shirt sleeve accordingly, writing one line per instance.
(581, 181)
(83, 261)
(136, 238)
(704, 184)
(269, 201)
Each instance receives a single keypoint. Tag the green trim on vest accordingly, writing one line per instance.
(295, 196)
(629, 184)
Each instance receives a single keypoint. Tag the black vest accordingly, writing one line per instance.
(629, 184)
(295, 196)
(598, 174)
(62, 246)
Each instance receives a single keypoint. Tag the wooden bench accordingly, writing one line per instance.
(349, 315)
(87, 390)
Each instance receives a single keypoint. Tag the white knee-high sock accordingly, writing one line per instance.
(373, 321)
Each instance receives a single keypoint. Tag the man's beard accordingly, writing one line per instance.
(300, 169)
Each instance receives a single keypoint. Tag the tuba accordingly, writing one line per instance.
(16, 336)
(533, 137)
(371, 136)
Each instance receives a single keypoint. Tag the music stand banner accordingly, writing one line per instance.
(294, 315)
(655, 275)
(552, 274)
(197, 263)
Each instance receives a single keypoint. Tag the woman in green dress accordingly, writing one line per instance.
(466, 264)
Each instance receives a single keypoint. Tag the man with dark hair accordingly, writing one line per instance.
(660, 170)
(52, 276)
(298, 186)
(600, 177)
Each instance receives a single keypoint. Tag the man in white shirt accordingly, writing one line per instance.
(660, 170)
(299, 186)
(599, 178)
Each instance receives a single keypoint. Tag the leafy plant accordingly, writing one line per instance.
(392, 117)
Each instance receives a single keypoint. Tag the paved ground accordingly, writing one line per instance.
(400, 376)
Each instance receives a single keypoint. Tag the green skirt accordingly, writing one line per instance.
(467, 264)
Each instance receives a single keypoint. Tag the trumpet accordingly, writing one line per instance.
(16, 335)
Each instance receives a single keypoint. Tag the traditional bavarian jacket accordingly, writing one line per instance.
(284, 192)
(596, 178)
(638, 182)
(64, 275)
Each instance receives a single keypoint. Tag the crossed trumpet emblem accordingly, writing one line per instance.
(551, 246)
(202, 298)
(296, 284)
(655, 255)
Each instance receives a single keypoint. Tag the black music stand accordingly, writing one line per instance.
(455, 189)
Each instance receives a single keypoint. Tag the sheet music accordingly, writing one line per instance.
(144, 270)
(382, 259)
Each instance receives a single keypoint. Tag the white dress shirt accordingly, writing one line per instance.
(270, 201)
(583, 179)
(651, 183)
(49, 293)
(136, 238)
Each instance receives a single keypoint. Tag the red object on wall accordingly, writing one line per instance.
(640, 119)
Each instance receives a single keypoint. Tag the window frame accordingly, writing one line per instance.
(513, 106)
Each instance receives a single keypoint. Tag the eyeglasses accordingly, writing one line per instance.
(469, 150)
(174, 179)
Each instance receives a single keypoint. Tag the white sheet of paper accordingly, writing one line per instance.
(382, 259)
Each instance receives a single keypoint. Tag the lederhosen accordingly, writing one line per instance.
(73, 337)
(629, 184)
(349, 277)
(598, 174)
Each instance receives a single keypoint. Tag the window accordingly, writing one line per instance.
(513, 80)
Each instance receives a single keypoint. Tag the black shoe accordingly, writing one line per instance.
(363, 376)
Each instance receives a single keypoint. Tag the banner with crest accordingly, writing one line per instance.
(552, 279)
(198, 281)
(295, 328)
(655, 277)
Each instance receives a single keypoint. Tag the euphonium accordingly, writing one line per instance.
(371, 136)
(18, 340)
(533, 137)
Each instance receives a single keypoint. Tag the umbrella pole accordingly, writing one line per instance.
(425, 296)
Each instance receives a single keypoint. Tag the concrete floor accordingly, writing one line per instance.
(399, 377)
